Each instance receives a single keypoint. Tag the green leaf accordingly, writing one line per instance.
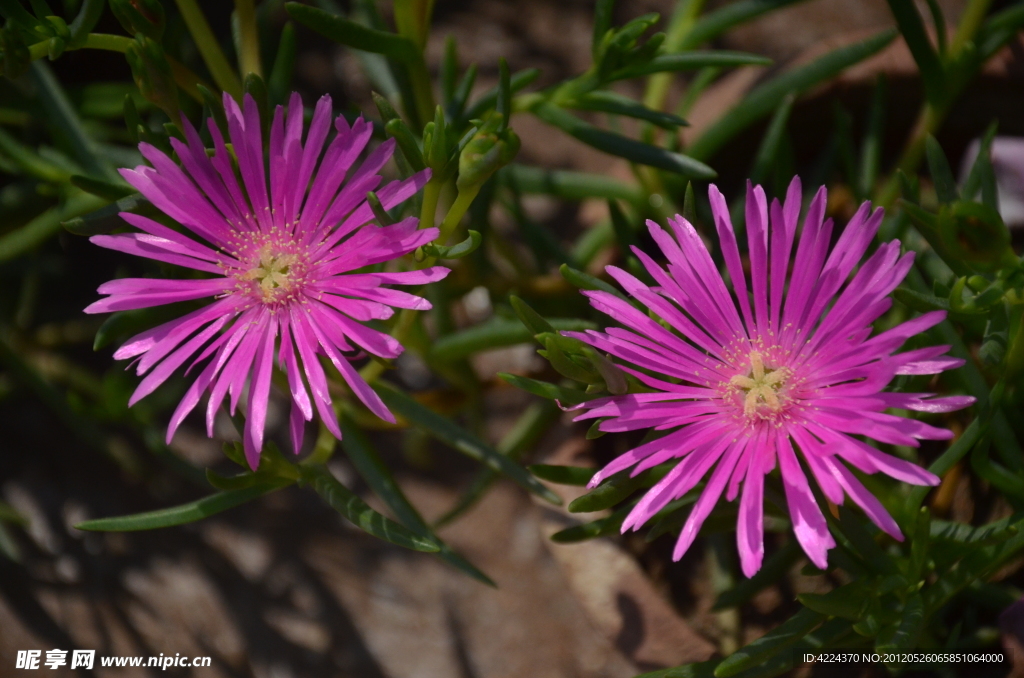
(497, 332)
(565, 365)
(585, 281)
(916, 37)
(9, 515)
(372, 469)
(237, 482)
(533, 320)
(356, 511)
(66, 124)
(107, 219)
(920, 542)
(27, 160)
(785, 635)
(919, 301)
(602, 24)
(617, 104)
(623, 147)
(566, 396)
(570, 185)
(563, 475)
(280, 79)
(617, 488)
(773, 136)
(942, 175)
(981, 171)
(179, 515)
(998, 30)
(905, 634)
(871, 147)
(978, 564)
(403, 136)
(16, 242)
(489, 99)
(522, 438)
(460, 439)
(460, 96)
(354, 35)
(729, 16)
(985, 535)
(462, 249)
(691, 61)
(853, 528)
(690, 204)
(597, 528)
(107, 190)
(947, 459)
(775, 567)
(503, 102)
(849, 601)
(767, 97)
(449, 69)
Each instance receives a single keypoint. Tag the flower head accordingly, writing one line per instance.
(279, 260)
(781, 367)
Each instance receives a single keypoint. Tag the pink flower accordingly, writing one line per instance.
(794, 371)
(280, 264)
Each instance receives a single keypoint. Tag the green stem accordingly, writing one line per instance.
(454, 216)
(407, 316)
(928, 122)
(44, 226)
(431, 195)
(422, 92)
(682, 21)
(249, 53)
(210, 50)
(183, 76)
(970, 22)
(931, 117)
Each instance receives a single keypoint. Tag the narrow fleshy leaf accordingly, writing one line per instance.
(356, 511)
(377, 475)
(185, 513)
(450, 433)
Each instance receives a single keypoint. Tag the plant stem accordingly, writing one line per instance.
(970, 22)
(928, 122)
(406, 316)
(249, 51)
(682, 21)
(431, 195)
(454, 216)
(422, 92)
(213, 57)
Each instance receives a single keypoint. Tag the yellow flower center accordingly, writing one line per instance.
(762, 386)
(272, 273)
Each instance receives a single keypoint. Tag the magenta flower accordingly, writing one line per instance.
(741, 385)
(282, 263)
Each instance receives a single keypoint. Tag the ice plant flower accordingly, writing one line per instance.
(783, 367)
(278, 264)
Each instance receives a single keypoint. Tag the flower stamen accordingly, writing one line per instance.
(762, 386)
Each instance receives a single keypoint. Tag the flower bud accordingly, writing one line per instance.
(152, 74)
(486, 153)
